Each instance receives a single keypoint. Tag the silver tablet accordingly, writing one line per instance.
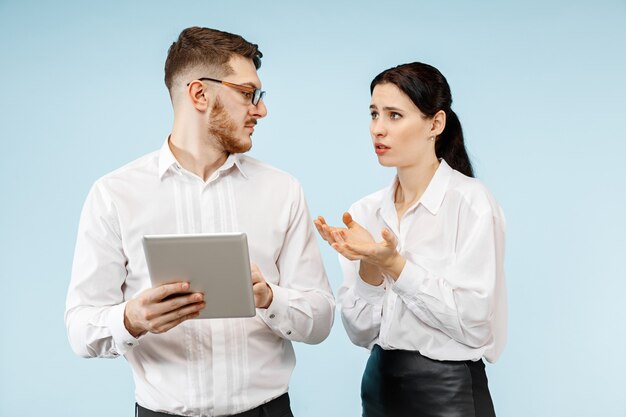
(215, 264)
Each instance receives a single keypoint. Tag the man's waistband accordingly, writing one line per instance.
(276, 407)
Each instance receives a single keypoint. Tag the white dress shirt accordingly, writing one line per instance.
(449, 302)
(202, 367)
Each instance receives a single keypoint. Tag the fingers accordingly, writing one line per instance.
(149, 313)
(176, 303)
(338, 236)
(345, 251)
(254, 269)
(326, 232)
(261, 290)
(163, 308)
(319, 223)
(255, 274)
(322, 228)
(352, 251)
(163, 291)
(165, 322)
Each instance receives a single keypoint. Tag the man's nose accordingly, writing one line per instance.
(259, 111)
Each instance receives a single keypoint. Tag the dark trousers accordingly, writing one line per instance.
(399, 383)
(278, 407)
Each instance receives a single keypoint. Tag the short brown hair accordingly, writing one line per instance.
(198, 46)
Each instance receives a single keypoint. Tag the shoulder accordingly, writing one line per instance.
(133, 173)
(473, 194)
(267, 174)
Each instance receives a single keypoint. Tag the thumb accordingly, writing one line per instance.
(348, 221)
(390, 238)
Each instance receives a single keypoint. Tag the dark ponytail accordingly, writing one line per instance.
(450, 146)
(428, 89)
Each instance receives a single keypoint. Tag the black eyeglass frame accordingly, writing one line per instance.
(257, 94)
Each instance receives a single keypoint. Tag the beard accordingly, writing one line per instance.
(224, 129)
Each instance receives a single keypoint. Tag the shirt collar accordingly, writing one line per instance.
(432, 197)
(167, 161)
(436, 190)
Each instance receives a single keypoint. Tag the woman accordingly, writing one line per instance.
(422, 259)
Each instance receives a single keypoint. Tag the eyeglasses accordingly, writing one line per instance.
(253, 94)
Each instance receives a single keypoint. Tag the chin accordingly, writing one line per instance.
(386, 162)
(243, 146)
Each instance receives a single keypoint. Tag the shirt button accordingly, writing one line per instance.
(129, 344)
(288, 332)
(272, 316)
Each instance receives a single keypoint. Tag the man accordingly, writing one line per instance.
(200, 182)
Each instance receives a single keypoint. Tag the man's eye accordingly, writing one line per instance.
(247, 94)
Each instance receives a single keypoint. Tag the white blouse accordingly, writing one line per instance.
(449, 302)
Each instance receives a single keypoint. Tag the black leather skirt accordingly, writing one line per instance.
(399, 383)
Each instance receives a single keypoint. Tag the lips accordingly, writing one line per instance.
(381, 149)
(250, 125)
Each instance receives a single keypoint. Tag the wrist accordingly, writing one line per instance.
(134, 331)
(394, 265)
(270, 296)
(370, 273)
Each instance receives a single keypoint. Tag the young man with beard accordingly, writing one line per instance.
(199, 182)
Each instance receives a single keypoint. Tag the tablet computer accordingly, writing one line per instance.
(216, 264)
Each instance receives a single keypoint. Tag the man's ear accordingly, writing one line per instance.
(438, 123)
(198, 94)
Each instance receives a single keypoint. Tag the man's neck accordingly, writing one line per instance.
(196, 154)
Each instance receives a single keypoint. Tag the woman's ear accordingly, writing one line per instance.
(438, 123)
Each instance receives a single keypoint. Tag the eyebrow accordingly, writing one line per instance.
(251, 85)
(385, 108)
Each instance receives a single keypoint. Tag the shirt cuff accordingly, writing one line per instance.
(410, 280)
(122, 339)
(373, 294)
(276, 315)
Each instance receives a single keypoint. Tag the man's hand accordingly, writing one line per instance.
(157, 310)
(263, 294)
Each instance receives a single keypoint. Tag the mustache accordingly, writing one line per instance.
(252, 122)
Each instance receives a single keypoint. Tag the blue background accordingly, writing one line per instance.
(538, 86)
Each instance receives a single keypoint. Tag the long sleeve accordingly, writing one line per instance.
(360, 304)
(220, 366)
(459, 299)
(95, 302)
(303, 305)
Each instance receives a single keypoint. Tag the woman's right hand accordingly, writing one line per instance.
(353, 233)
(325, 231)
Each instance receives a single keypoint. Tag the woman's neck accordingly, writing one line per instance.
(412, 182)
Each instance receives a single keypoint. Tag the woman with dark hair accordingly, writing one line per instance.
(422, 259)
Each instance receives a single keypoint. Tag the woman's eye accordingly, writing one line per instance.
(374, 115)
(394, 115)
